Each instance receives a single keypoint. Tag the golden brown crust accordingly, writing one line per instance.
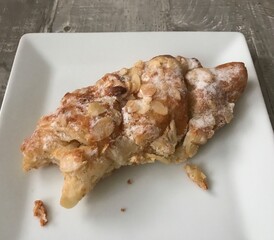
(212, 93)
(237, 85)
(162, 109)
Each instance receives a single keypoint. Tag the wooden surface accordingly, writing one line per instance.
(254, 18)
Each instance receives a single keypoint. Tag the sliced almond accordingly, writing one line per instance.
(148, 89)
(132, 106)
(116, 116)
(199, 139)
(191, 149)
(138, 105)
(153, 157)
(190, 146)
(103, 128)
(123, 71)
(154, 63)
(140, 64)
(196, 175)
(128, 85)
(172, 133)
(165, 144)
(95, 109)
(144, 108)
(136, 83)
(144, 104)
(159, 107)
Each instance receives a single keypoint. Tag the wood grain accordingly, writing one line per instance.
(254, 18)
(16, 19)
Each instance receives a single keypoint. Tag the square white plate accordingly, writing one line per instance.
(161, 203)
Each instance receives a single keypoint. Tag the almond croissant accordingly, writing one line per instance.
(162, 109)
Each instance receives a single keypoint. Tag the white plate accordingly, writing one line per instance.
(161, 203)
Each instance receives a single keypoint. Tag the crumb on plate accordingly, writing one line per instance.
(196, 175)
(40, 211)
(129, 181)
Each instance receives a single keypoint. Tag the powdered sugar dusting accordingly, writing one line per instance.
(211, 91)
(47, 140)
(199, 78)
(126, 116)
(167, 78)
(207, 120)
(226, 74)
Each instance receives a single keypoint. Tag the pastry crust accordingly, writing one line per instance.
(162, 109)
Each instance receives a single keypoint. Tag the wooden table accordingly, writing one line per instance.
(254, 18)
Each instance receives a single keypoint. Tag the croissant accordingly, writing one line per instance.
(159, 110)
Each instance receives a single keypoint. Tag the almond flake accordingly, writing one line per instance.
(128, 85)
(103, 128)
(191, 149)
(132, 106)
(139, 64)
(159, 108)
(144, 108)
(136, 83)
(148, 89)
(123, 71)
(95, 109)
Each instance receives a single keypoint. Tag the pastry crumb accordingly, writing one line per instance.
(123, 209)
(40, 211)
(129, 181)
(196, 175)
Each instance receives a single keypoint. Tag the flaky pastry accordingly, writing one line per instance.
(159, 110)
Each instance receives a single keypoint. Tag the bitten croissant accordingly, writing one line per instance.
(159, 110)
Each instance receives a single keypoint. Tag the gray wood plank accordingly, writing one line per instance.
(111, 16)
(254, 18)
(261, 38)
(16, 19)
